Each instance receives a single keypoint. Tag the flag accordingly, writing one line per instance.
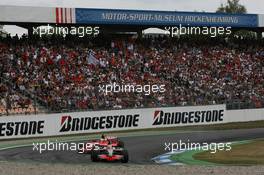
(92, 59)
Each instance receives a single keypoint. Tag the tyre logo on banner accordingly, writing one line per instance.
(169, 118)
(69, 123)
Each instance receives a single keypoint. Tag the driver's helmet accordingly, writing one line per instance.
(109, 142)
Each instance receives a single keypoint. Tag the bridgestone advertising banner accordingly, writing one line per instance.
(113, 120)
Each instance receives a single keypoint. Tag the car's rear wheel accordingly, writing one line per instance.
(125, 157)
(94, 156)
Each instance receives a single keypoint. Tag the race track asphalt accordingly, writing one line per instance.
(141, 148)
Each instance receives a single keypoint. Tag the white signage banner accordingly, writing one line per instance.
(261, 20)
(113, 120)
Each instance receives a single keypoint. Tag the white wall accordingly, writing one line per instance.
(245, 115)
(58, 124)
(27, 14)
(261, 20)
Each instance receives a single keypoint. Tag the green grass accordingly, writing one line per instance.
(251, 153)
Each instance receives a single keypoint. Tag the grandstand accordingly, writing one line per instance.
(54, 74)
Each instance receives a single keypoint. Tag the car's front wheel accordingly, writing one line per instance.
(125, 157)
(121, 144)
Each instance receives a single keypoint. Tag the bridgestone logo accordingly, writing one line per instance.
(21, 128)
(69, 123)
(169, 118)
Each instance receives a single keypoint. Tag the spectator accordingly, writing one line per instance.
(194, 73)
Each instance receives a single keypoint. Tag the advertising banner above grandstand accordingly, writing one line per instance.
(26, 14)
(138, 17)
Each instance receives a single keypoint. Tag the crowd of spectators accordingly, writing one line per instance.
(62, 75)
(12, 102)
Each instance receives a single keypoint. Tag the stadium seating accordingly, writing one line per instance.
(13, 102)
(63, 74)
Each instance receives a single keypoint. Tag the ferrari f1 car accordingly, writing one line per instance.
(110, 154)
(91, 145)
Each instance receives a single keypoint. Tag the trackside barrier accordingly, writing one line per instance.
(117, 120)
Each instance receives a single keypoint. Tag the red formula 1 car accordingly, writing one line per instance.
(110, 154)
(91, 145)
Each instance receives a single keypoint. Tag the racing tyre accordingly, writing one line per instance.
(94, 156)
(125, 158)
(121, 144)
